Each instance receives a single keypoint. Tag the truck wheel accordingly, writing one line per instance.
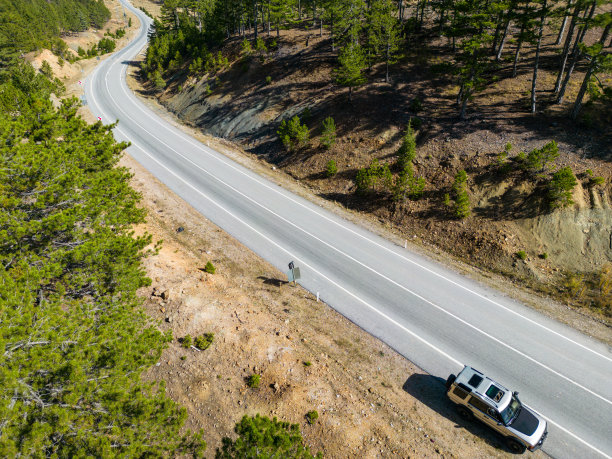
(465, 413)
(449, 381)
(515, 446)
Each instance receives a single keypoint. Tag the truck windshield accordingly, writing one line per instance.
(511, 411)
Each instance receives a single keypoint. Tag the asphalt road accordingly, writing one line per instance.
(430, 314)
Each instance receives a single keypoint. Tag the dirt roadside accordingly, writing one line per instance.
(371, 401)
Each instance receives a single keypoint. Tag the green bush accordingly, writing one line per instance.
(363, 181)
(203, 342)
(406, 185)
(253, 381)
(502, 158)
(462, 200)
(81, 52)
(46, 70)
(368, 178)
(312, 417)
(543, 256)
(539, 158)
(260, 46)
(331, 168)
(574, 285)
(521, 254)
(261, 437)
(268, 80)
(595, 181)
(158, 80)
(106, 45)
(447, 200)
(416, 122)
(209, 268)
(196, 66)
(293, 134)
(560, 188)
(307, 363)
(407, 150)
(220, 62)
(328, 137)
(247, 49)
(186, 342)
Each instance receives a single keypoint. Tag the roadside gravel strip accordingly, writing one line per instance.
(430, 314)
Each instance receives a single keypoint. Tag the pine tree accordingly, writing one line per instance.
(543, 13)
(474, 23)
(383, 32)
(75, 339)
(407, 150)
(352, 63)
(599, 61)
(462, 199)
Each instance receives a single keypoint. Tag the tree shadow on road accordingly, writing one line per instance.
(431, 391)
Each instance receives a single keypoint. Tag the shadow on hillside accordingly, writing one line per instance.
(377, 106)
(431, 391)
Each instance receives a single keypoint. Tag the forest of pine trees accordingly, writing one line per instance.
(74, 339)
(479, 34)
(25, 26)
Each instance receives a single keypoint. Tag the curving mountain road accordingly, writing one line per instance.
(431, 315)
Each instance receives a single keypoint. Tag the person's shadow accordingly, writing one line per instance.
(431, 390)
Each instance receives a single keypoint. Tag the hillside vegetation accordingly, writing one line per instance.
(477, 33)
(74, 338)
(504, 163)
(26, 26)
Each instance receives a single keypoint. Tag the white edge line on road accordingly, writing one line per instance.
(491, 337)
(359, 299)
(574, 436)
(255, 178)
